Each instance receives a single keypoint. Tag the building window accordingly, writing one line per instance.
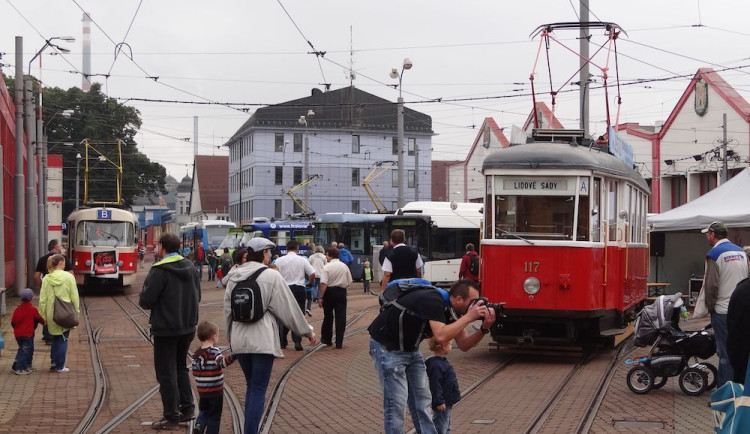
(279, 142)
(410, 177)
(250, 173)
(394, 178)
(394, 205)
(679, 191)
(412, 145)
(278, 175)
(395, 146)
(277, 208)
(297, 175)
(355, 144)
(355, 177)
(296, 208)
(297, 142)
(355, 206)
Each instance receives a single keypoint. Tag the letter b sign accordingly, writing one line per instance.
(104, 214)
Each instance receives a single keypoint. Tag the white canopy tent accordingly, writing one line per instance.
(728, 203)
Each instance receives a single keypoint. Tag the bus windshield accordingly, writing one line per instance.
(101, 233)
(540, 217)
(215, 235)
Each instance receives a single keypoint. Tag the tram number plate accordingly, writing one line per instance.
(531, 266)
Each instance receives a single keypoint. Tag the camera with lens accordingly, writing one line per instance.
(497, 306)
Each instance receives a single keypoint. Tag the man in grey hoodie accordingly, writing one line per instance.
(172, 293)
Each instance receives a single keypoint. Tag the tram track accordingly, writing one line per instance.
(273, 402)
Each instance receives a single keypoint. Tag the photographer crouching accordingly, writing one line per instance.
(412, 315)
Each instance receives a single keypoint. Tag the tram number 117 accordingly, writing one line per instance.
(531, 267)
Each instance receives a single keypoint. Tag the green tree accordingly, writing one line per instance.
(73, 116)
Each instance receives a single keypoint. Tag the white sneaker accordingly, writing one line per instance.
(60, 371)
(21, 372)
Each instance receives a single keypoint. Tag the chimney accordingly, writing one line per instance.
(85, 80)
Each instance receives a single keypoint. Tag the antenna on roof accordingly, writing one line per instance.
(352, 74)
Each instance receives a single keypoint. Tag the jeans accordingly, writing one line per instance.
(209, 419)
(403, 378)
(299, 295)
(442, 420)
(334, 308)
(211, 271)
(170, 363)
(719, 324)
(308, 297)
(59, 349)
(316, 288)
(257, 369)
(366, 284)
(25, 355)
(199, 267)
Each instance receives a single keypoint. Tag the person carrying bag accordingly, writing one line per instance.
(730, 405)
(59, 306)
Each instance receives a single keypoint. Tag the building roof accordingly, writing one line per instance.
(347, 107)
(494, 129)
(212, 175)
(185, 185)
(547, 116)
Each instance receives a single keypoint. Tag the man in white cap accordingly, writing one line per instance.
(726, 266)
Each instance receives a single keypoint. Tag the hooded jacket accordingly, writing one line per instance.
(62, 284)
(172, 293)
(262, 337)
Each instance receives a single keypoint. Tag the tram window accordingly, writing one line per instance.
(280, 238)
(596, 195)
(583, 219)
(534, 217)
(416, 236)
(450, 243)
(632, 219)
(357, 241)
(612, 210)
(98, 234)
(303, 237)
(488, 209)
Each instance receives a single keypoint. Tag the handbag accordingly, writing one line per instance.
(64, 313)
(730, 405)
(700, 310)
(219, 273)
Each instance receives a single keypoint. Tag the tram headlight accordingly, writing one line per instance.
(531, 285)
(88, 262)
(119, 263)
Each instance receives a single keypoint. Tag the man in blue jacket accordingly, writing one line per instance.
(172, 293)
(345, 256)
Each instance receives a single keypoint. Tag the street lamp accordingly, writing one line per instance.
(303, 121)
(78, 183)
(400, 119)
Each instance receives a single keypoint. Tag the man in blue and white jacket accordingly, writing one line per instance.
(726, 266)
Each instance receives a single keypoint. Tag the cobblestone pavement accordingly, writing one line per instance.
(331, 390)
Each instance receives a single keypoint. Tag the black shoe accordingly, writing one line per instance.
(338, 347)
(166, 425)
(187, 417)
(328, 344)
(198, 429)
(298, 347)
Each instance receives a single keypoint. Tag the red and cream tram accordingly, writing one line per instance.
(103, 245)
(565, 243)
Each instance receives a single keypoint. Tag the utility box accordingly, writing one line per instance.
(694, 289)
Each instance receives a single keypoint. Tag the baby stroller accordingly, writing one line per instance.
(673, 352)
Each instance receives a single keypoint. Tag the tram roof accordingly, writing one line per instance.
(342, 217)
(550, 155)
(91, 214)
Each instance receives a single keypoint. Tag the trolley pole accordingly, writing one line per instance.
(18, 181)
(724, 150)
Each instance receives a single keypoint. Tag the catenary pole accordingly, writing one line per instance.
(400, 146)
(724, 149)
(31, 203)
(584, 73)
(42, 194)
(18, 182)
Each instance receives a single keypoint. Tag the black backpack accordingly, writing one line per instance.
(398, 288)
(246, 300)
(474, 264)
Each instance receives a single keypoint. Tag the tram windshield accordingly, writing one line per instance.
(540, 217)
(216, 235)
(231, 241)
(101, 233)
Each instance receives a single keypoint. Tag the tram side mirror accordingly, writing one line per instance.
(595, 211)
(623, 215)
(454, 205)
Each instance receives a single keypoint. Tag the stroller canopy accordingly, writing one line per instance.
(656, 316)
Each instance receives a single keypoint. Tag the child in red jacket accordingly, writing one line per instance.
(24, 321)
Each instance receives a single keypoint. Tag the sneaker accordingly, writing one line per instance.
(30, 369)
(187, 417)
(167, 425)
(198, 429)
(307, 311)
(298, 347)
(22, 372)
(60, 371)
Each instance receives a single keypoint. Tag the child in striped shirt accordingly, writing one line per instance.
(208, 365)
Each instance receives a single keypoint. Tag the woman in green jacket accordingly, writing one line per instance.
(58, 283)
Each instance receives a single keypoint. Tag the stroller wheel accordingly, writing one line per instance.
(711, 374)
(659, 382)
(693, 381)
(640, 379)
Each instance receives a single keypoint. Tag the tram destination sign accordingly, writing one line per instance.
(530, 185)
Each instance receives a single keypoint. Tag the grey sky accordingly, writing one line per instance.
(249, 51)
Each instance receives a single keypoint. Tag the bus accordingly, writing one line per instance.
(103, 246)
(211, 232)
(360, 233)
(280, 232)
(231, 242)
(439, 231)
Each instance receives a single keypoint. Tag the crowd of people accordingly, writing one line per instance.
(286, 288)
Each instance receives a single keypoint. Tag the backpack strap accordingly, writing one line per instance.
(255, 275)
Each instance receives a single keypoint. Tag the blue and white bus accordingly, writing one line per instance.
(360, 232)
(211, 232)
(280, 232)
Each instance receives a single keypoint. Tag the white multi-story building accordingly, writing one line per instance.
(349, 132)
